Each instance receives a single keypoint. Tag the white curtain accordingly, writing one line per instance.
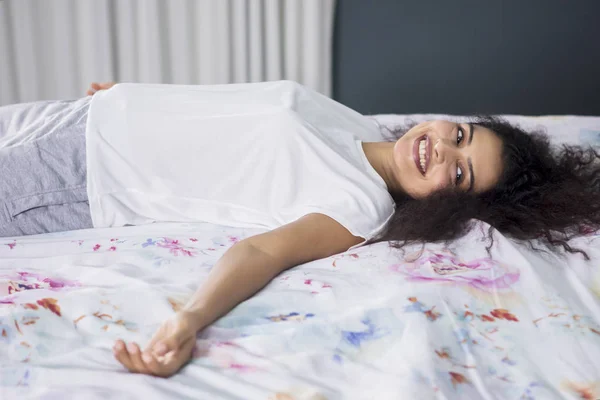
(53, 49)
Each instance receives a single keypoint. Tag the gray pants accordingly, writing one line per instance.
(43, 167)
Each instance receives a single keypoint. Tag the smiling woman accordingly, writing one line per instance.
(314, 175)
(440, 155)
(513, 180)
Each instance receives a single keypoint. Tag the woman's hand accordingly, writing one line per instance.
(95, 86)
(170, 349)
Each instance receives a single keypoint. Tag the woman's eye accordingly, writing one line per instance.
(459, 175)
(459, 136)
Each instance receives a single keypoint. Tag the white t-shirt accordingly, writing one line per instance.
(255, 155)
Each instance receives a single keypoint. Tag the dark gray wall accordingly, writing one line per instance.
(467, 57)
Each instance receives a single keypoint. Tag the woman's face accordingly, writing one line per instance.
(438, 155)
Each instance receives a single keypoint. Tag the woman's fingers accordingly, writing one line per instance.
(175, 339)
(135, 355)
(132, 358)
(171, 343)
(155, 338)
(168, 350)
(95, 86)
(152, 364)
(121, 354)
(175, 360)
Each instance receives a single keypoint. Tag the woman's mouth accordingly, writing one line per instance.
(421, 154)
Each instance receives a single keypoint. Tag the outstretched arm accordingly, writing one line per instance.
(241, 272)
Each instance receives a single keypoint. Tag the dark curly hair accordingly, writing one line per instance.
(546, 193)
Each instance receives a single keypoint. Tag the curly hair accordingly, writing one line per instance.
(546, 193)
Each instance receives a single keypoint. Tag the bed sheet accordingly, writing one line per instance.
(372, 323)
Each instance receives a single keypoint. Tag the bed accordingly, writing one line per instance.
(371, 323)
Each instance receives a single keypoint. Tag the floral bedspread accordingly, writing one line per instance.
(373, 323)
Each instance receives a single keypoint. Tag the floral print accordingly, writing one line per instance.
(485, 274)
(445, 324)
(21, 280)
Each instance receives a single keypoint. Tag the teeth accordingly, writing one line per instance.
(422, 152)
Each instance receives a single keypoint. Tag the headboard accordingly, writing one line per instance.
(464, 57)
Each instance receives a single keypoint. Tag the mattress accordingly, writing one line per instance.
(448, 322)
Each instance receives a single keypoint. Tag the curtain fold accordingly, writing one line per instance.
(55, 49)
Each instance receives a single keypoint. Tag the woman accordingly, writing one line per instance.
(314, 174)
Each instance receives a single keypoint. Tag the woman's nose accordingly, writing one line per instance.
(439, 151)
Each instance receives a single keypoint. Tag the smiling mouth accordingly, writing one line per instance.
(421, 154)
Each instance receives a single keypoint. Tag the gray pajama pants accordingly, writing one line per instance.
(43, 167)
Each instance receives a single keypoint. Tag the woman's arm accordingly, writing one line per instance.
(241, 272)
(252, 263)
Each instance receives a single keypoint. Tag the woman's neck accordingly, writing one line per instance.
(381, 157)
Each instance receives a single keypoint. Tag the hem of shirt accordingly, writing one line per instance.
(376, 232)
(93, 200)
(342, 221)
